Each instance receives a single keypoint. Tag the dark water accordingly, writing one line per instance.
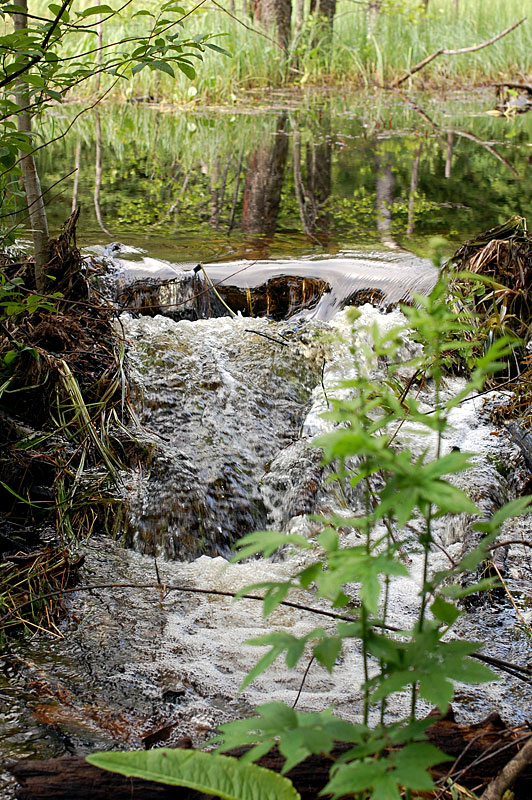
(322, 175)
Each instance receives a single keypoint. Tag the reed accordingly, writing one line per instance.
(359, 54)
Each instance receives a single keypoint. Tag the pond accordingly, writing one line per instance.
(305, 175)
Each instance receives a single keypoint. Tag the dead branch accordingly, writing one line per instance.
(481, 750)
(507, 776)
(464, 134)
(443, 52)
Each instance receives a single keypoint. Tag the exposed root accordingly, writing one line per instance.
(63, 409)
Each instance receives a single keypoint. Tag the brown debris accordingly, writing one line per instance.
(480, 750)
(504, 255)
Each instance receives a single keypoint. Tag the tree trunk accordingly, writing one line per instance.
(481, 750)
(32, 184)
(449, 155)
(276, 14)
(98, 173)
(312, 197)
(264, 181)
(385, 185)
(299, 16)
(75, 188)
(373, 11)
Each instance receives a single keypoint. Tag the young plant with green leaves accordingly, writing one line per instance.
(382, 760)
(46, 53)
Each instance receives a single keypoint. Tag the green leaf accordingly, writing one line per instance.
(187, 69)
(162, 66)
(458, 592)
(512, 509)
(266, 543)
(350, 778)
(385, 788)
(412, 762)
(309, 574)
(327, 651)
(218, 49)
(275, 594)
(447, 465)
(102, 9)
(209, 773)
(328, 539)
(435, 688)
(446, 612)
(449, 499)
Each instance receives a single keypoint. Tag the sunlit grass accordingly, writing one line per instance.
(361, 53)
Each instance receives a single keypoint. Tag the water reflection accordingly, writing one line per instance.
(324, 177)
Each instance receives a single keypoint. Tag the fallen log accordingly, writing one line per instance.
(480, 751)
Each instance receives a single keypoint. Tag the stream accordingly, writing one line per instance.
(228, 406)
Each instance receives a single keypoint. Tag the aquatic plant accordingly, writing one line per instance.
(352, 564)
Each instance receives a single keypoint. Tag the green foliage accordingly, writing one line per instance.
(221, 776)
(419, 660)
(16, 301)
(61, 49)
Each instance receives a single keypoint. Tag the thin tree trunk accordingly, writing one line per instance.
(264, 182)
(299, 15)
(455, 7)
(32, 184)
(414, 180)
(75, 188)
(98, 173)
(278, 14)
(373, 10)
(385, 185)
(99, 54)
(449, 156)
(235, 192)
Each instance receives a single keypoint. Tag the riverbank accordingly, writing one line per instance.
(362, 49)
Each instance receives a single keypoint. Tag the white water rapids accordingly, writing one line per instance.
(237, 412)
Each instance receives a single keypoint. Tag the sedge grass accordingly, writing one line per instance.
(359, 53)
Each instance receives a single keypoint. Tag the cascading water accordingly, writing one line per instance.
(230, 406)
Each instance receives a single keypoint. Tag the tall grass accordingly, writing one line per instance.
(357, 55)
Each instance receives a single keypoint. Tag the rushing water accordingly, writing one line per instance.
(232, 415)
(229, 405)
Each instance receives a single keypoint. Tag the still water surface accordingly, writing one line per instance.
(319, 176)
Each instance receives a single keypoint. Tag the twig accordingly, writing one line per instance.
(216, 292)
(512, 601)
(266, 336)
(303, 679)
(443, 52)
(509, 773)
(487, 146)
(323, 383)
(504, 666)
(247, 27)
(465, 134)
(509, 542)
